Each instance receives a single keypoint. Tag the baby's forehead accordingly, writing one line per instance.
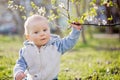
(38, 22)
(33, 20)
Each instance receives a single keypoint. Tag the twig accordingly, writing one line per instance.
(101, 24)
(68, 6)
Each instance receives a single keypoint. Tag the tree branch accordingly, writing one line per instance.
(107, 25)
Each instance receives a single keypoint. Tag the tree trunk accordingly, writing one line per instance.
(78, 15)
(18, 21)
(58, 31)
(27, 7)
(114, 12)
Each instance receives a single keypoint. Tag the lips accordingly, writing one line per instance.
(43, 39)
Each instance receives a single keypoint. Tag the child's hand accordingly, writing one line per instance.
(20, 76)
(76, 25)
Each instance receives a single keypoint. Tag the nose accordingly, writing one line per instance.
(42, 33)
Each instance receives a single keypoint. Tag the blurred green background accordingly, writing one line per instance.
(96, 56)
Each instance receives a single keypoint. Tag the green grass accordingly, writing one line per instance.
(9, 48)
(96, 60)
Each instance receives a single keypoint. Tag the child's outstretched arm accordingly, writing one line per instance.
(68, 42)
(20, 67)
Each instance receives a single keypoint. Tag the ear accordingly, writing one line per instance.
(27, 37)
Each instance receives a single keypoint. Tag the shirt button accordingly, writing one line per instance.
(35, 75)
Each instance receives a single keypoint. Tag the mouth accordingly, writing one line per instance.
(43, 39)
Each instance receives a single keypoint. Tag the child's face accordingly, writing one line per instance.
(39, 33)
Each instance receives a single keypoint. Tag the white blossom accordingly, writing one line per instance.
(42, 11)
(61, 5)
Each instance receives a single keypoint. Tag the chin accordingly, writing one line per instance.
(43, 43)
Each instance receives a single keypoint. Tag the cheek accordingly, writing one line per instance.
(48, 35)
(33, 37)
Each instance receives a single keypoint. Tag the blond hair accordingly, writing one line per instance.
(31, 20)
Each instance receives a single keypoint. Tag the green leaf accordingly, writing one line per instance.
(53, 1)
(10, 2)
(110, 18)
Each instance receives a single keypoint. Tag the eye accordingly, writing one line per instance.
(36, 32)
(45, 30)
